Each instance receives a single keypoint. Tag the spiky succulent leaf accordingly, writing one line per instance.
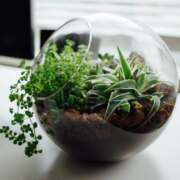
(154, 108)
(110, 78)
(118, 71)
(123, 96)
(125, 66)
(146, 81)
(124, 86)
(120, 101)
(112, 106)
(96, 98)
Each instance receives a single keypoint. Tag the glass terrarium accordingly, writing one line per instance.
(116, 87)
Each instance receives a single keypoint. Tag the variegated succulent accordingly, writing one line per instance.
(130, 80)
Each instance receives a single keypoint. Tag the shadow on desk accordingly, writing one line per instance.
(138, 168)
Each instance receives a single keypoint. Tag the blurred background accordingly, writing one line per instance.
(25, 25)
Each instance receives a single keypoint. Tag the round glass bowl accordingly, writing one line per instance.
(89, 136)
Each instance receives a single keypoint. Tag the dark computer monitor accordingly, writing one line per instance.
(16, 37)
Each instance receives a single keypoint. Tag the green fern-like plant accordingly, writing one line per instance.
(62, 75)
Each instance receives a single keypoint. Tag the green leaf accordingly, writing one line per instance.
(12, 97)
(100, 87)
(71, 100)
(61, 93)
(117, 96)
(103, 79)
(111, 77)
(155, 106)
(19, 118)
(125, 66)
(113, 105)
(96, 97)
(150, 85)
(146, 81)
(29, 114)
(119, 72)
(123, 85)
(125, 106)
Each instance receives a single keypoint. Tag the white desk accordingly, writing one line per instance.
(161, 161)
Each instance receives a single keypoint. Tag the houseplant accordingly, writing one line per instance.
(107, 109)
